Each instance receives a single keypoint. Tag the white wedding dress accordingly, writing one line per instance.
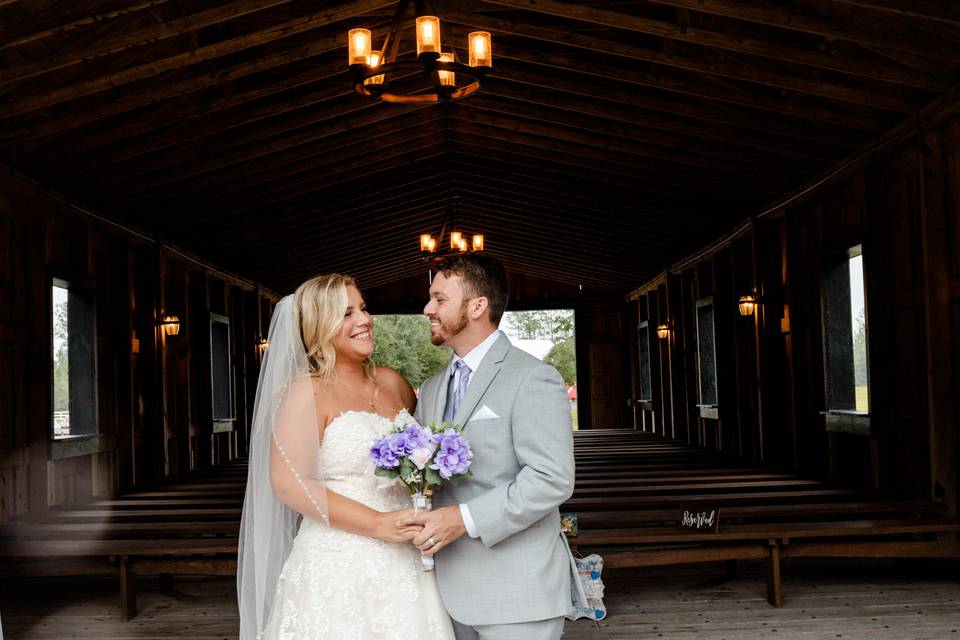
(343, 586)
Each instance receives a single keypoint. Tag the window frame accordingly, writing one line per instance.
(84, 443)
(840, 419)
(221, 424)
(707, 410)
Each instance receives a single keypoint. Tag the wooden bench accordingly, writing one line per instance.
(632, 489)
(123, 557)
(631, 548)
(189, 526)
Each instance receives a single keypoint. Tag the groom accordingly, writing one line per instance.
(502, 564)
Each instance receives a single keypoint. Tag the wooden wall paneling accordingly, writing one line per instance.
(677, 354)
(690, 394)
(882, 331)
(745, 354)
(952, 214)
(23, 444)
(726, 314)
(32, 294)
(177, 376)
(805, 273)
(775, 435)
(201, 410)
(908, 450)
(788, 388)
(935, 226)
(605, 346)
(121, 285)
(148, 367)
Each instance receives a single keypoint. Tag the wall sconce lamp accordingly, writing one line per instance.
(262, 345)
(663, 331)
(748, 305)
(170, 325)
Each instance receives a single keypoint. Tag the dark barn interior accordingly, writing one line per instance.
(653, 164)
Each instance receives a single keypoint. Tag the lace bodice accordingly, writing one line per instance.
(344, 460)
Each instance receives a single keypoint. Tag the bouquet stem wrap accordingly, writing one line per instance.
(423, 502)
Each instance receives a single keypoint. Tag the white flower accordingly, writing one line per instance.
(420, 457)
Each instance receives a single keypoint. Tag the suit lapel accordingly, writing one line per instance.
(440, 395)
(482, 378)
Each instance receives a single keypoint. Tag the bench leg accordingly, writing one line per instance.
(774, 585)
(128, 590)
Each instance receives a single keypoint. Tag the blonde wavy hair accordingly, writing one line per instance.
(319, 305)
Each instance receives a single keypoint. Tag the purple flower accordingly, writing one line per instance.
(415, 437)
(387, 451)
(454, 456)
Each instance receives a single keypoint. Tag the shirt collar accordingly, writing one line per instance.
(476, 355)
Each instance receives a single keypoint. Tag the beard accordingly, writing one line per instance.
(450, 330)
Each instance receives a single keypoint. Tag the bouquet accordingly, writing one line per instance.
(422, 458)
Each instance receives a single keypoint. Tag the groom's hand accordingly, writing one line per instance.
(440, 527)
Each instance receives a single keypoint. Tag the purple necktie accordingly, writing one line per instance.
(456, 387)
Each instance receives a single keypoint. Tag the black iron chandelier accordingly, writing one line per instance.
(374, 69)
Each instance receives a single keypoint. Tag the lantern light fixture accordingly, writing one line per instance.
(373, 69)
(663, 330)
(170, 324)
(747, 305)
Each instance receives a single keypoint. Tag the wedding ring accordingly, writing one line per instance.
(431, 541)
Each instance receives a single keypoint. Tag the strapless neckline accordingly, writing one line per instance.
(372, 414)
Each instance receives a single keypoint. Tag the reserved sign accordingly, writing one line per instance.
(703, 521)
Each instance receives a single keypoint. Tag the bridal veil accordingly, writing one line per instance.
(284, 446)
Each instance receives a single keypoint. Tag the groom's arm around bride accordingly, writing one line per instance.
(511, 573)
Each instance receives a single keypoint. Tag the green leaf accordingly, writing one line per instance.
(432, 476)
(456, 479)
(386, 473)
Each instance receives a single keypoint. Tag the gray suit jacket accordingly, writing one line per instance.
(519, 569)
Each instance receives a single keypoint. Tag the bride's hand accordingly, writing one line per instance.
(390, 531)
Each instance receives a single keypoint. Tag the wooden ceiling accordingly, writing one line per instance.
(611, 139)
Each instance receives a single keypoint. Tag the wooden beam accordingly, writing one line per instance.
(72, 118)
(190, 58)
(773, 15)
(590, 146)
(708, 112)
(218, 185)
(484, 143)
(609, 135)
(130, 39)
(783, 78)
(174, 145)
(777, 51)
(28, 34)
(588, 180)
(512, 97)
(360, 166)
(939, 10)
(700, 86)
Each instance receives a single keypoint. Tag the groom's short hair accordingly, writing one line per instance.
(482, 275)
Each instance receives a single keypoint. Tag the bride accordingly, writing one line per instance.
(347, 571)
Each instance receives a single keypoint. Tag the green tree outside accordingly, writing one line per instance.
(552, 324)
(61, 367)
(403, 343)
(563, 357)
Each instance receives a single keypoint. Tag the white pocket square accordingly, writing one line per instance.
(483, 413)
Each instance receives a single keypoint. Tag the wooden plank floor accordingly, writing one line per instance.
(881, 600)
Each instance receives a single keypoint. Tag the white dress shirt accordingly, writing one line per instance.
(472, 360)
